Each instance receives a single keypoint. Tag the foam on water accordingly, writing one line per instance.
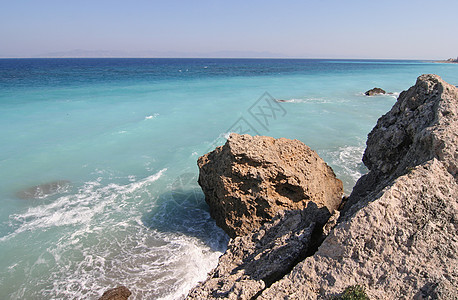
(348, 165)
(98, 248)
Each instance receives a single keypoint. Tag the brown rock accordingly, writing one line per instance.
(118, 293)
(249, 180)
(375, 91)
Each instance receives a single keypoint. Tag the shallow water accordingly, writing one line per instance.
(125, 135)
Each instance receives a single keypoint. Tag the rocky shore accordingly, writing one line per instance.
(449, 61)
(292, 238)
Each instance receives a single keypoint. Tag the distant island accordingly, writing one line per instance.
(449, 61)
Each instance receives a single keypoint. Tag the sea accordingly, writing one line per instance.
(98, 173)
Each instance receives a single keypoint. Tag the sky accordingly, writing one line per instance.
(214, 28)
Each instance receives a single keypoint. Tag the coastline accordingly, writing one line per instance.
(445, 62)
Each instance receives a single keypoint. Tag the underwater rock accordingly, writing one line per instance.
(44, 190)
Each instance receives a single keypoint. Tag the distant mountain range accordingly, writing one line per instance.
(80, 53)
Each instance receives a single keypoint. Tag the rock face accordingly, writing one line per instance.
(256, 260)
(401, 244)
(420, 126)
(249, 180)
(375, 91)
(118, 293)
(397, 234)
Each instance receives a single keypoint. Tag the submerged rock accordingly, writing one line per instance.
(44, 190)
(118, 293)
(375, 91)
(249, 180)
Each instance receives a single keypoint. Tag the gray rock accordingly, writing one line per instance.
(421, 125)
(375, 91)
(256, 260)
(397, 236)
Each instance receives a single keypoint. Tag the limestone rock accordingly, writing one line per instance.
(256, 260)
(397, 236)
(375, 91)
(249, 180)
(118, 293)
(400, 245)
(421, 125)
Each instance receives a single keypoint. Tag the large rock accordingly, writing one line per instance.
(402, 244)
(398, 232)
(420, 126)
(249, 180)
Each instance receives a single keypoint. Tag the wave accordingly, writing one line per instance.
(97, 238)
(305, 100)
(153, 116)
(78, 208)
(348, 165)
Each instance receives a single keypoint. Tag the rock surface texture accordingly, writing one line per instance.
(256, 260)
(397, 234)
(249, 180)
(117, 293)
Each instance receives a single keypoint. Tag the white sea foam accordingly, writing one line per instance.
(348, 165)
(151, 116)
(101, 241)
(308, 100)
(78, 208)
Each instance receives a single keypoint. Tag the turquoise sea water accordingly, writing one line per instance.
(120, 138)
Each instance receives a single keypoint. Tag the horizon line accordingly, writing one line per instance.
(209, 57)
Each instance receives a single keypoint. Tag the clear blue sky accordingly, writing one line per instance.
(328, 28)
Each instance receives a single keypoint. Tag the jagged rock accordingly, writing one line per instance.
(118, 293)
(249, 180)
(421, 125)
(400, 245)
(256, 260)
(375, 91)
(398, 232)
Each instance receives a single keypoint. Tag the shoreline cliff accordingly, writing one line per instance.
(395, 236)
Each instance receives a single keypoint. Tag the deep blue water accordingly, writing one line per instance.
(122, 137)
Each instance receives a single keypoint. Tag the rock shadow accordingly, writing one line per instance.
(185, 212)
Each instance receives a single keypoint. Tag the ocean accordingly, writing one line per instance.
(98, 181)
